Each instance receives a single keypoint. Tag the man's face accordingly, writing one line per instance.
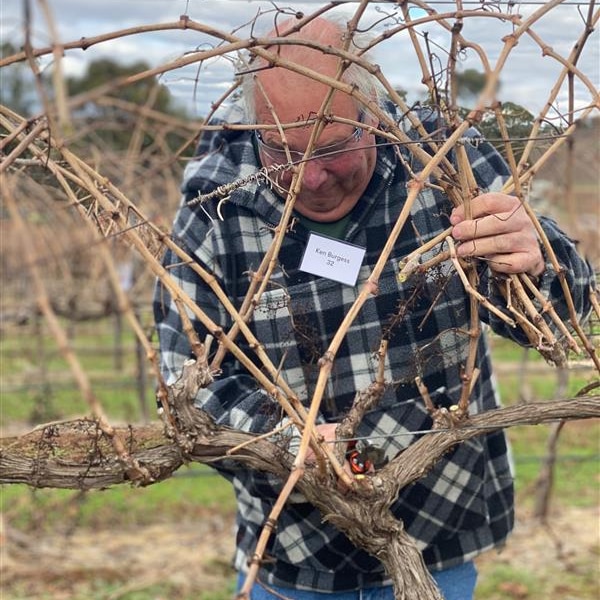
(336, 173)
(343, 157)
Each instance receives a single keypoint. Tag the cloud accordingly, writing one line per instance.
(526, 79)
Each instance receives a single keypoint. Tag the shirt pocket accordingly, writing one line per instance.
(425, 320)
(273, 325)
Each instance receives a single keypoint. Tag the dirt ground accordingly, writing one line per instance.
(194, 556)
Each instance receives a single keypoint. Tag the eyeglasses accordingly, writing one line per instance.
(324, 153)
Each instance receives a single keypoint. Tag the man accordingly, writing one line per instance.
(351, 194)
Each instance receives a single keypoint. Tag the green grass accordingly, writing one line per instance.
(540, 386)
(37, 384)
(577, 471)
(227, 593)
(101, 589)
(505, 582)
(51, 402)
(193, 493)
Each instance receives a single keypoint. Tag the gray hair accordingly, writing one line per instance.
(354, 75)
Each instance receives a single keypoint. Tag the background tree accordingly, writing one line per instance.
(16, 85)
(517, 119)
(106, 71)
(110, 115)
(469, 83)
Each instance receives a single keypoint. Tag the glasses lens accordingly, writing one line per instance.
(332, 151)
(277, 155)
(325, 153)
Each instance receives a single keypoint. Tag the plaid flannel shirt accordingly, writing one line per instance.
(465, 504)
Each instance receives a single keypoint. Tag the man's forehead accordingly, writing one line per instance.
(287, 88)
(300, 102)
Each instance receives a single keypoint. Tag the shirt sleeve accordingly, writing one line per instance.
(491, 171)
(233, 399)
(578, 278)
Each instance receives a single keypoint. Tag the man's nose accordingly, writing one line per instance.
(314, 175)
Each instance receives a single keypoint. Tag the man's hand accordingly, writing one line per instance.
(501, 232)
(327, 431)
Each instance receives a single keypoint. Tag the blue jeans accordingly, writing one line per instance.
(456, 583)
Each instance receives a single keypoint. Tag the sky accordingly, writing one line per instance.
(526, 79)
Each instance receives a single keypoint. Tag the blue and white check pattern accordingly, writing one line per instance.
(465, 504)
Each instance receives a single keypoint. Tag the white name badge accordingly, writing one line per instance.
(328, 257)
